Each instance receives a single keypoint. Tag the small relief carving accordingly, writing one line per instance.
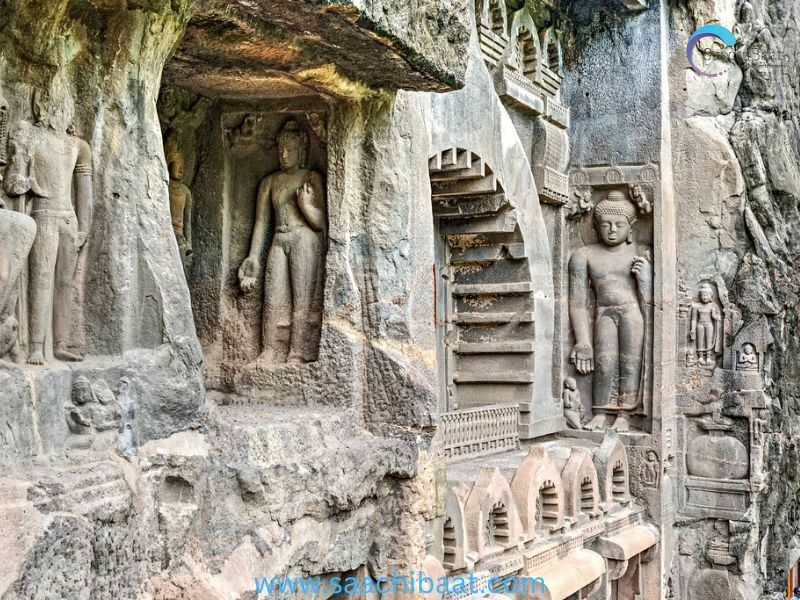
(54, 170)
(614, 175)
(245, 134)
(318, 125)
(648, 173)
(717, 454)
(747, 358)
(178, 114)
(650, 470)
(292, 198)
(643, 198)
(573, 407)
(580, 202)
(180, 206)
(705, 329)
(612, 345)
(718, 549)
(94, 410)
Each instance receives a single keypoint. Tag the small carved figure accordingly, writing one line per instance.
(706, 327)
(180, 207)
(573, 407)
(580, 202)
(748, 359)
(642, 198)
(620, 274)
(245, 133)
(650, 470)
(48, 165)
(94, 408)
(79, 415)
(295, 195)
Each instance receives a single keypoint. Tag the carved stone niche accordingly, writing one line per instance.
(611, 463)
(259, 240)
(539, 494)
(705, 324)
(611, 275)
(493, 522)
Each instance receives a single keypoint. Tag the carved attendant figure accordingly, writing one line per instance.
(620, 274)
(705, 329)
(295, 196)
(180, 207)
(48, 165)
(573, 407)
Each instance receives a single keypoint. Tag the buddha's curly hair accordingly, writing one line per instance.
(616, 203)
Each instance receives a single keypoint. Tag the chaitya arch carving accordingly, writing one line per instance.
(539, 493)
(581, 485)
(611, 464)
(493, 523)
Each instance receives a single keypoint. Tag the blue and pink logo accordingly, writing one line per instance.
(714, 31)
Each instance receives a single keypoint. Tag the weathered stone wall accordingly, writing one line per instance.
(101, 68)
(737, 185)
(150, 488)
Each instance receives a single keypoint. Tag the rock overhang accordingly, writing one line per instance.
(254, 50)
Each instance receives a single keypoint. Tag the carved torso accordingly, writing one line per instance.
(55, 157)
(609, 270)
(283, 188)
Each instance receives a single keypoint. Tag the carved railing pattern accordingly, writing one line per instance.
(480, 431)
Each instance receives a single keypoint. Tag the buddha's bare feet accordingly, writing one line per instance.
(36, 358)
(598, 423)
(61, 353)
(621, 424)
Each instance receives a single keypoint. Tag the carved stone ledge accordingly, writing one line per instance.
(716, 498)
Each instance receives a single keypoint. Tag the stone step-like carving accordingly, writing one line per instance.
(492, 289)
(504, 222)
(92, 490)
(464, 168)
(489, 253)
(473, 205)
(500, 377)
(465, 187)
(502, 347)
(490, 301)
(493, 318)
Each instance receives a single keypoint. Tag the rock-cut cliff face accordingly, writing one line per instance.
(736, 153)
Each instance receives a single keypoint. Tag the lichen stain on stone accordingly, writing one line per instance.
(332, 79)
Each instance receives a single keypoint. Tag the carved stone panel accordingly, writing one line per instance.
(257, 233)
(610, 303)
(49, 174)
